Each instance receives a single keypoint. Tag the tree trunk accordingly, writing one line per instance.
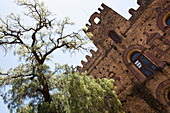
(46, 93)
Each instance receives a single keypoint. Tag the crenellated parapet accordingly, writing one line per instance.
(143, 4)
(91, 60)
(108, 20)
(110, 31)
(99, 16)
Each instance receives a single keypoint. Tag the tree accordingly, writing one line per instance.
(33, 86)
(83, 94)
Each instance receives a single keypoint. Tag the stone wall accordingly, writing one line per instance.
(117, 39)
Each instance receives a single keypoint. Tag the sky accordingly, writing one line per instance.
(78, 11)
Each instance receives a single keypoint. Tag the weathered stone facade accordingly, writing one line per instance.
(135, 53)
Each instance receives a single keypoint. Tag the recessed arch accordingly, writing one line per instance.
(163, 92)
(149, 58)
(130, 50)
(163, 20)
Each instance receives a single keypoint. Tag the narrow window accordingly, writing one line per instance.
(114, 36)
(143, 64)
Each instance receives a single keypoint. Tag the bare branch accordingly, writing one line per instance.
(7, 76)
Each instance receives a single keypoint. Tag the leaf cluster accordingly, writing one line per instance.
(88, 95)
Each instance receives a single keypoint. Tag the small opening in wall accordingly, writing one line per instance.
(124, 101)
(149, 24)
(140, 39)
(97, 20)
(115, 48)
(127, 71)
(164, 34)
(150, 30)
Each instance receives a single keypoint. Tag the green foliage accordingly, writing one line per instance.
(88, 95)
(70, 92)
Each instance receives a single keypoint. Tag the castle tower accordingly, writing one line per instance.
(135, 53)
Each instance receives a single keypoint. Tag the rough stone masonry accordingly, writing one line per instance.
(135, 53)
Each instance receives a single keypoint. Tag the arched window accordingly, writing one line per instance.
(143, 64)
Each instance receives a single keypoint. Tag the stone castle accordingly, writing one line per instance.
(135, 53)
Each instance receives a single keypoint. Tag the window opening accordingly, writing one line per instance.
(143, 64)
(114, 36)
(96, 20)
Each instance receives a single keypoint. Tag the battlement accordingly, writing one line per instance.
(109, 20)
(90, 61)
(136, 13)
(97, 15)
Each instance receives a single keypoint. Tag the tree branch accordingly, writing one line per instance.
(13, 77)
